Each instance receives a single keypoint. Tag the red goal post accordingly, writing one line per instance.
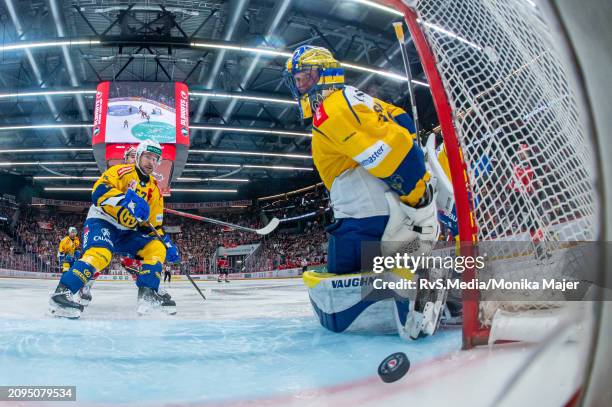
(500, 90)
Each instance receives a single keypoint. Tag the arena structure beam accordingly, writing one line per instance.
(74, 81)
(237, 8)
(276, 17)
(35, 68)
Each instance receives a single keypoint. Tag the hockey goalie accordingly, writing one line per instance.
(368, 156)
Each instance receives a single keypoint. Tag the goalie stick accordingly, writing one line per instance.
(269, 228)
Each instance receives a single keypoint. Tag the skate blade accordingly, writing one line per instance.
(143, 309)
(84, 302)
(169, 310)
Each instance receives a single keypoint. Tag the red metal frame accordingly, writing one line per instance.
(473, 333)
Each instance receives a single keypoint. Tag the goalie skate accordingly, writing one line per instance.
(429, 308)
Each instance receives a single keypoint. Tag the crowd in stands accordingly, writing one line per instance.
(315, 200)
(36, 234)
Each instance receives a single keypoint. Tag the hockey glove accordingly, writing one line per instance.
(138, 207)
(410, 230)
(172, 253)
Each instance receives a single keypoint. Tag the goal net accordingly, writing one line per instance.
(521, 161)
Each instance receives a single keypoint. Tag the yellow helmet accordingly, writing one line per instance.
(313, 60)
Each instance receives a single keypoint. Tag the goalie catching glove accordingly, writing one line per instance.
(410, 230)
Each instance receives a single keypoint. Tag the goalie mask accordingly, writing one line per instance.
(72, 230)
(311, 74)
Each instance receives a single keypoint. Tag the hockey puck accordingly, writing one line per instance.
(394, 367)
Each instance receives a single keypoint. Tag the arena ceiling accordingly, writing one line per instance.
(55, 52)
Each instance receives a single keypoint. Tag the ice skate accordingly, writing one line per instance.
(84, 297)
(62, 304)
(149, 300)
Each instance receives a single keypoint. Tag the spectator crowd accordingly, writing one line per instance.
(32, 241)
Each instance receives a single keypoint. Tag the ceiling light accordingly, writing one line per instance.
(277, 167)
(54, 177)
(66, 189)
(47, 93)
(30, 45)
(203, 190)
(380, 7)
(194, 179)
(243, 97)
(43, 150)
(255, 153)
(8, 164)
(44, 126)
(250, 130)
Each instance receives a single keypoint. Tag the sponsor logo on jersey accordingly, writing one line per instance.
(373, 155)
(104, 238)
(320, 116)
(124, 170)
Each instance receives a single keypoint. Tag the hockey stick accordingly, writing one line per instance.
(186, 272)
(399, 33)
(269, 228)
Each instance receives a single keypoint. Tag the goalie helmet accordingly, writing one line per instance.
(321, 74)
(72, 229)
(148, 146)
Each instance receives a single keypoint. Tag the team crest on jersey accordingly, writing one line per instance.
(320, 116)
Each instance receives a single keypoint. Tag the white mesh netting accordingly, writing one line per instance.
(529, 160)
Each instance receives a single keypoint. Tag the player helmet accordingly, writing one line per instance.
(148, 146)
(129, 152)
(322, 68)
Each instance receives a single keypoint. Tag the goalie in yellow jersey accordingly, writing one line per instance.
(126, 202)
(368, 156)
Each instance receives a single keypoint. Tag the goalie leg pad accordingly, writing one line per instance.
(342, 304)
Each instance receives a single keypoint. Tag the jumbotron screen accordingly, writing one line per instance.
(129, 112)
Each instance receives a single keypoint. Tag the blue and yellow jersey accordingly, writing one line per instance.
(351, 128)
(69, 246)
(110, 189)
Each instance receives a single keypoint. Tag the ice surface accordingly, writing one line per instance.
(250, 339)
